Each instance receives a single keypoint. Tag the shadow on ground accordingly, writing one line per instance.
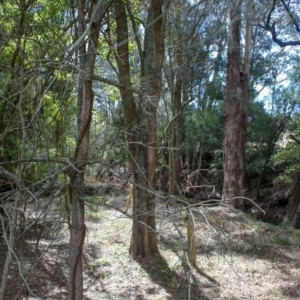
(176, 283)
(46, 273)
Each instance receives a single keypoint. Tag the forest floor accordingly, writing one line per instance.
(238, 257)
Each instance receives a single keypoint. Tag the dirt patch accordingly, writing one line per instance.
(238, 257)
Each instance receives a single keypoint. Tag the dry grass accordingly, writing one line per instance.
(237, 258)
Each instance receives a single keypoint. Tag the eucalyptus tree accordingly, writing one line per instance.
(237, 97)
(140, 112)
(37, 96)
(90, 17)
(174, 71)
(281, 20)
(286, 156)
(271, 111)
(193, 75)
(187, 65)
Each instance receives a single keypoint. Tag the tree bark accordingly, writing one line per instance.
(87, 59)
(235, 114)
(140, 122)
(151, 89)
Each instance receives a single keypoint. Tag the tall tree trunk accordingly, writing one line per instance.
(87, 58)
(176, 128)
(235, 114)
(141, 122)
(151, 88)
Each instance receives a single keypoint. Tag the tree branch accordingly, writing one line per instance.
(295, 139)
(291, 16)
(271, 27)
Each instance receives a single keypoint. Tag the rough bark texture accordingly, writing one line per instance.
(235, 114)
(87, 58)
(141, 122)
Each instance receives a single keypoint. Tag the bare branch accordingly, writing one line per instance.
(291, 16)
(271, 27)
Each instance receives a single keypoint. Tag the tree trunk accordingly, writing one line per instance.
(10, 243)
(235, 114)
(141, 122)
(176, 128)
(84, 116)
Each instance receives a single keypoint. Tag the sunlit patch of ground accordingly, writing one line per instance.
(237, 258)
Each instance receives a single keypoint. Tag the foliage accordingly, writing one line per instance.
(40, 80)
(288, 155)
(260, 138)
(206, 131)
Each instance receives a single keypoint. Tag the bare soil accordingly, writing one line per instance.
(238, 257)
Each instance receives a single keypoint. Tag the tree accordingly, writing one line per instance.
(282, 22)
(87, 53)
(140, 119)
(25, 79)
(194, 79)
(174, 130)
(237, 84)
(47, 85)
